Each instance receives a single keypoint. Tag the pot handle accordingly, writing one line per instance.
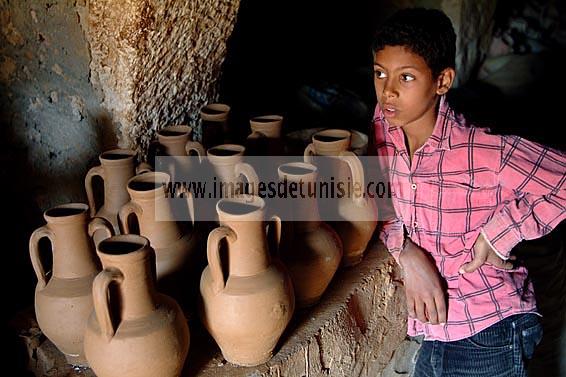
(37, 235)
(101, 297)
(196, 147)
(357, 171)
(213, 255)
(309, 153)
(125, 212)
(190, 203)
(276, 221)
(256, 135)
(248, 171)
(95, 171)
(143, 167)
(98, 223)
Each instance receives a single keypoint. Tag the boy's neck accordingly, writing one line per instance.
(418, 132)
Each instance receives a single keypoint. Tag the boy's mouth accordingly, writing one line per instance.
(389, 111)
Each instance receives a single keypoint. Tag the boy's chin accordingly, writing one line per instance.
(395, 123)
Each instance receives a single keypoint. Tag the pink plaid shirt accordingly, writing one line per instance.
(461, 182)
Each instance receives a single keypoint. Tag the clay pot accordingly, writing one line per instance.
(63, 299)
(296, 141)
(117, 166)
(173, 142)
(268, 126)
(328, 143)
(247, 311)
(134, 331)
(314, 251)
(358, 214)
(227, 162)
(265, 138)
(215, 130)
(152, 209)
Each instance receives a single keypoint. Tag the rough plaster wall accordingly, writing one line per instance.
(158, 62)
(51, 118)
(473, 22)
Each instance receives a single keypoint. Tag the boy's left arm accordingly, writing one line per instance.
(537, 175)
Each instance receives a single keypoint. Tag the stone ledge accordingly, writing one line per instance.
(353, 331)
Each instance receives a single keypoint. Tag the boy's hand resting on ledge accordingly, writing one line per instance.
(483, 253)
(424, 290)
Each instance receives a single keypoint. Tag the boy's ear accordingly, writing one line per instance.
(445, 80)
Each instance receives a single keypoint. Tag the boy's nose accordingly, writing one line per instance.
(389, 90)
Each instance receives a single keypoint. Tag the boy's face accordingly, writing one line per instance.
(405, 88)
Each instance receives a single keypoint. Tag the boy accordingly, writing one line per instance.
(463, 198)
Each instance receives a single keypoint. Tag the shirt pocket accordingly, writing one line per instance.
(463, 207)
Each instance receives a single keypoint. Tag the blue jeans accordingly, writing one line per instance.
(501, 350)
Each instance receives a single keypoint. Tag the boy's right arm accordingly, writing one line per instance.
(426, 299)
(424, 291)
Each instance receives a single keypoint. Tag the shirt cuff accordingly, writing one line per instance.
(393, 239)
(492, 247)
(501, 236)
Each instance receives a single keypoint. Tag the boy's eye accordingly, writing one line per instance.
(379, 74)
(406, 77)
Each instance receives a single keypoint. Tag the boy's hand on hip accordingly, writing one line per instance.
(426, 299)
(483, 253)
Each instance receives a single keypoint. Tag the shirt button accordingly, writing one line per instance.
(415, 225)
(414, 186)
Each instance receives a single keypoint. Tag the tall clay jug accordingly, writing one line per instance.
(358, 214)
(227, 161)
(116, 167)
(63, 299)
(265, 138)
(329, 143)
(134, 331)
(247, 311)
(175, 141)
(355, 215)
(153, 209)
(215, 130)
(314, 251)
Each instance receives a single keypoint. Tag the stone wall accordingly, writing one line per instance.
(52, 121)
(78, 78)
(158, 62)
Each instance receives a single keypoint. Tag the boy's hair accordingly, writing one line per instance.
(426, 32)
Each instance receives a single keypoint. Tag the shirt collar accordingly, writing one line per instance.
(440, 137)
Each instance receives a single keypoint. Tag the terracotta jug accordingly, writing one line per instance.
(247, 311)
(63, 299)
(228, 164)
(134, 331)
(215, 130)
(175, 141)
(358, 214)
(328, 143)
(174, 247)
(265, 138)
(268, 126)
(117, 166)
(314, 250)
